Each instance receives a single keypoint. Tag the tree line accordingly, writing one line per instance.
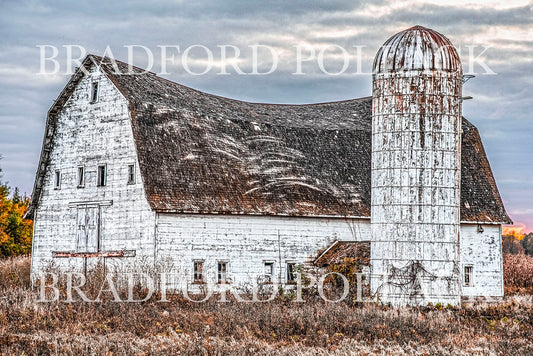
(15, 231)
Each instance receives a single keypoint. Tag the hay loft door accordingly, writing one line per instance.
(88, 228)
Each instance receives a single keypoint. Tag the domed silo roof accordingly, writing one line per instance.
(417, 48)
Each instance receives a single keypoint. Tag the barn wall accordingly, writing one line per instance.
(483, 251)
(88, 135)
(246, 242)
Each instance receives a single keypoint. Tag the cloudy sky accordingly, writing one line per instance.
(495, 40)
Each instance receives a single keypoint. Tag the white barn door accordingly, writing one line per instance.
(88, 224)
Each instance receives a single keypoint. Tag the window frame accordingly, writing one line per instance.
(290, 274)
(94, 92)
(269, 277)
(196, 272)
(131, 174)
(99, 176)
(57, 179)
(468, 275)
(81, 177)
(224, 280)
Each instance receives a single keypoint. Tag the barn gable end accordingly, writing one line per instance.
(78, 214)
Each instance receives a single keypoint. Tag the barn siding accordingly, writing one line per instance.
(246, 242)
(92, 134)
(482, 250)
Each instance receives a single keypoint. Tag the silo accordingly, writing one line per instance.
(416, 124)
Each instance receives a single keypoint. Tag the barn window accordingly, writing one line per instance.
(198, 268)
(81, 177)
(269, 271)
(94, 92)
(102, 175)
(57, 180)
(131, 174)
(468, 275)
(222, 272)
(291, 272)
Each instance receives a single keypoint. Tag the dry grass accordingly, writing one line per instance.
(280, 327)
(518, 273)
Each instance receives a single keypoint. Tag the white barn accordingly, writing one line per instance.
(139, 170)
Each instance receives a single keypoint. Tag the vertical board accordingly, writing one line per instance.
(88, 222)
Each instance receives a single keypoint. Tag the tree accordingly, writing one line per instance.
(527, 243)
(510, 244)
(15, 231)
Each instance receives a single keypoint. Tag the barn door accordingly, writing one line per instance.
(88, 222)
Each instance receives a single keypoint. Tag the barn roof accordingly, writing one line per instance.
(200, 153)
(339, 251)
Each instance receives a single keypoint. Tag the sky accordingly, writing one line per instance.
(494, 39)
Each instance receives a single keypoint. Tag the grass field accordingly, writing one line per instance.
(279, 327)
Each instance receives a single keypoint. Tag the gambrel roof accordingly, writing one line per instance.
(200, 153)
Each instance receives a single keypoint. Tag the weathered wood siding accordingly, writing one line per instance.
(246, 242)
(89, 134)
(482, 251)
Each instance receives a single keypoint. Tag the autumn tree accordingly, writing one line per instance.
(15, 231)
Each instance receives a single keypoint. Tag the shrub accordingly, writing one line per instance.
(518, 273)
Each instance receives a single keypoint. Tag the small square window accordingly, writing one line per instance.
(291, 272)
(269, 272)
(222, 272)
(57, 180)
(468, 275)
(102, 175)
(94, 92)
(81, 177)
(131, 174)
(198, 275)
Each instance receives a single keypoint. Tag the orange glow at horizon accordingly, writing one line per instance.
(517, 230)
